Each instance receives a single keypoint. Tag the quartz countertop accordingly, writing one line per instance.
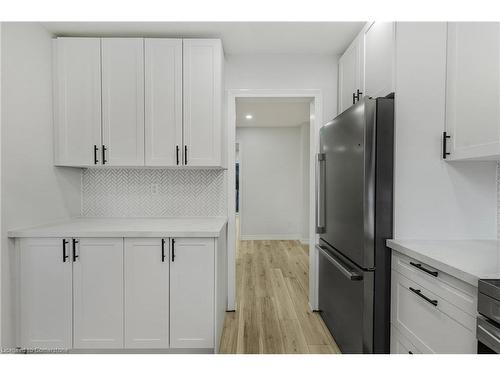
(467, 260)
(127, 227)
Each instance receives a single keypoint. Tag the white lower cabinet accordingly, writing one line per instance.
(98, 293)
(115, 293)
(146, 293)
(45, 294)
(425, 312)
(192, 292)
(400, 344)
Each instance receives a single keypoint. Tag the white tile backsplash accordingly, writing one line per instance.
(153, 192)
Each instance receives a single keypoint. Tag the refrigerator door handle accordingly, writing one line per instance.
(320, 193)
(350, 274)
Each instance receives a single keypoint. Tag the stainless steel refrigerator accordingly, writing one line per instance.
(354, 218)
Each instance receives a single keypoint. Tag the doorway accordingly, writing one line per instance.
(272, 263)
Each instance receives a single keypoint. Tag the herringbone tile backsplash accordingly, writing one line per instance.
(130, 193)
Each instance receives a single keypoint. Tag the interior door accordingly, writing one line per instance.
(163, 98)
(123, 101)
(77, 102)
(98, 293)
(146, 293)
(192, 266)
(202, 92)
(45, 293)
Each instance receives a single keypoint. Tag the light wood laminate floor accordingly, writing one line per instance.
(272, 303)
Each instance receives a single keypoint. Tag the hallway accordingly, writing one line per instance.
(272, 314)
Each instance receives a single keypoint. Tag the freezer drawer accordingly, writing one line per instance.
(343, 290)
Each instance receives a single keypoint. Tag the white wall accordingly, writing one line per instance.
(434, 199)
(270, 183)
(33, 191)
(286, 72)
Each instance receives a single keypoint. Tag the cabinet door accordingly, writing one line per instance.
(45, 294)
(192, 262)
(202, 92)
(473, 89)
(146, 293)
(163, 98)
(379, 59)
(77, 100)
(123, 101)
(98, 293)
(349, 76)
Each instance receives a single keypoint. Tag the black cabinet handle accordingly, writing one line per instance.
(353, 98)
(75, 241)
(185, 154)
(422, 268)
(104, 161)
(163, 250)
(177, 154)
(96, 150)
(65, 255)
(358, 94)
(418, 292)
(445, 137)
(173, 249)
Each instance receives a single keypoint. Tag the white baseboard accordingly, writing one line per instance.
(304, 241)
(269, 237)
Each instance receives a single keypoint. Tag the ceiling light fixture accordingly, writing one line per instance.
(249, 117)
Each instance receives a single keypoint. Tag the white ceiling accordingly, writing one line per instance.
(237, 37)
(272, 112)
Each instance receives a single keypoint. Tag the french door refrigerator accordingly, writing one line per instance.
(354, 218)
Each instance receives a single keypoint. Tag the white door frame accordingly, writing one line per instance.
(316, 121)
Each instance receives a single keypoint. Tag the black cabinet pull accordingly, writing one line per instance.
(422, 268)
(75, 241)
(104, 161)
(358, 94)
(353, 98)
(445, 137)
(96, 150)
(173, 249)
(177, 154)
(65, 255)
(418, 292)
(163, 250)
(185, 154)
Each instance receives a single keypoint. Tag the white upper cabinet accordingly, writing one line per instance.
(146, 293)
(351, 78)
(379, 58)
(77, 100)
(163, 99)
(98, 293)
(45, 293)
(123, 101)
(203, 59)
(473, 90)
(138, 102)
(192, 291)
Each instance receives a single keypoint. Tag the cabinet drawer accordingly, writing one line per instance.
(400, 344)
(453, 290)
(432, 323)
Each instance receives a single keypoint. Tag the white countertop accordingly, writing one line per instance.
(127, 227)
(467, 260)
